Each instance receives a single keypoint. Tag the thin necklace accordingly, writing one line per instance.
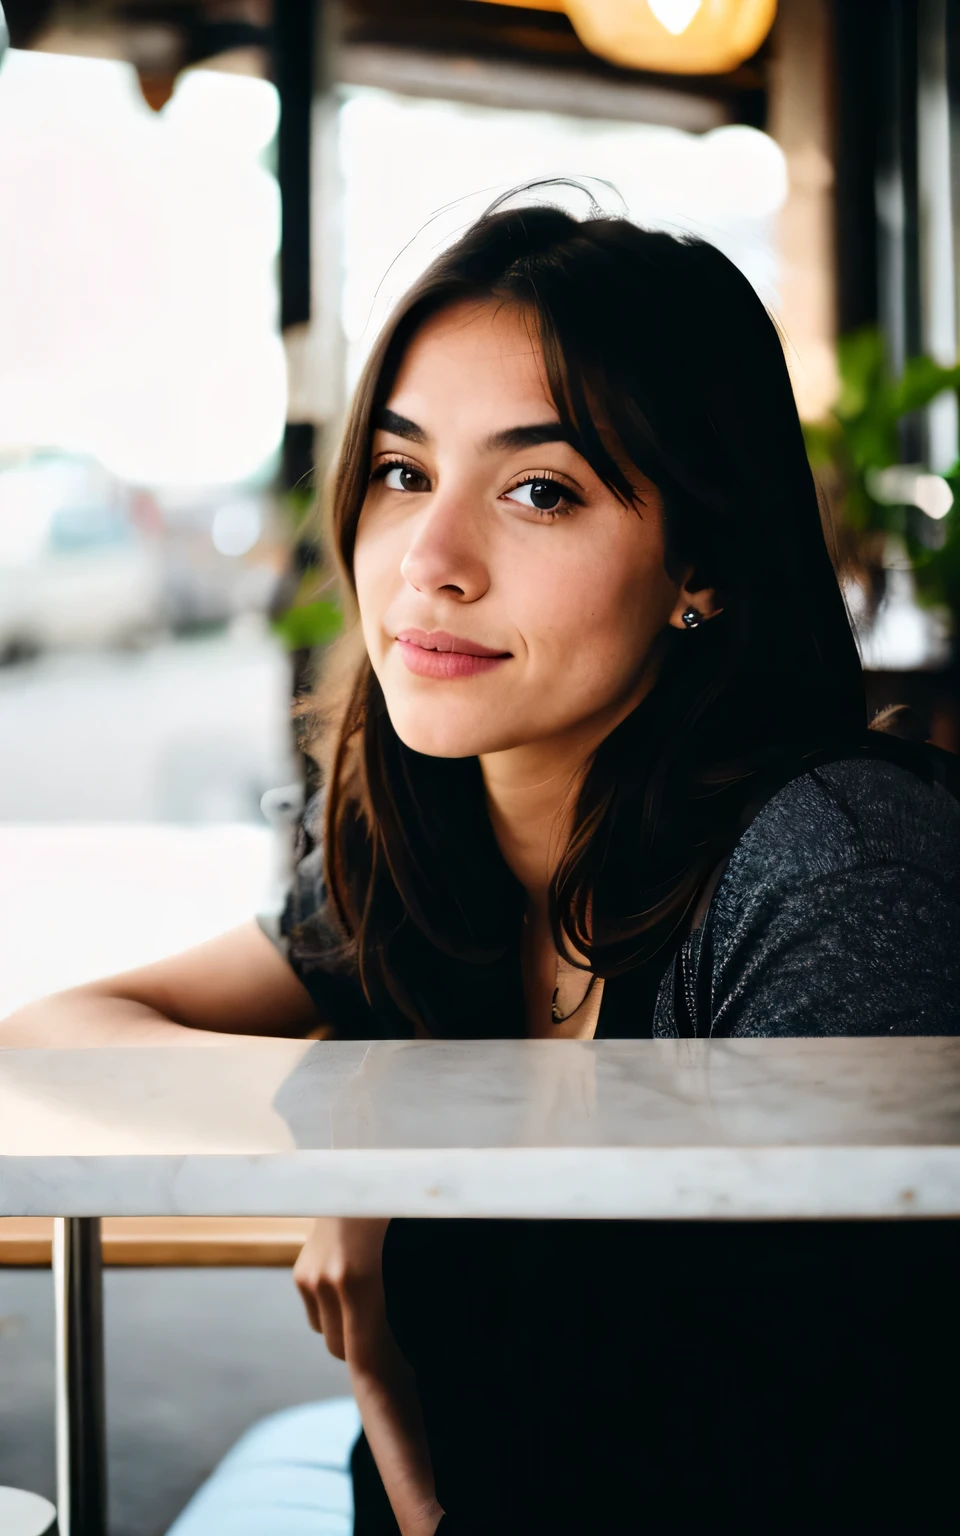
(555, 1015)
(561, 1018)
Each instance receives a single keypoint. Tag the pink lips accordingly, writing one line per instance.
(435, 653)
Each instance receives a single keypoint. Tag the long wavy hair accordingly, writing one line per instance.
(659, 349)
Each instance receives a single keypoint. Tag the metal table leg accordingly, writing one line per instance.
(81, 1417)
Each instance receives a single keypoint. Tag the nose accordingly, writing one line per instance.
(445, 554)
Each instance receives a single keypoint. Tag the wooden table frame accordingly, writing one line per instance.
(173, 1242)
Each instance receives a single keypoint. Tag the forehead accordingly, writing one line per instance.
(476, 353)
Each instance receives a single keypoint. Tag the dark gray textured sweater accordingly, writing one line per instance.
(838, 914)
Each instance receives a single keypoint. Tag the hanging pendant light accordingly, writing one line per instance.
(682, 37)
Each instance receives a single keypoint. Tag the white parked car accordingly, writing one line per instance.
(93, 578)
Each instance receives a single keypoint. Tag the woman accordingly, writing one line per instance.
(594, 765)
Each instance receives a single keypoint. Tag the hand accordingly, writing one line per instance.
(338, 1274)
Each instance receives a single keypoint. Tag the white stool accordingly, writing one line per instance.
(26, 1514)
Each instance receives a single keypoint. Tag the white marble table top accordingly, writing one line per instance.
(765, 1128)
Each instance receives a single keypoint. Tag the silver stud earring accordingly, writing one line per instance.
(691, 618)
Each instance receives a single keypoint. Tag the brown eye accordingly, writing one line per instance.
(545, 495)
(542, 494)
(403, 477)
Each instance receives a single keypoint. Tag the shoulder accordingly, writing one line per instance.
(840, 906)
(307, 897)
(308, 922)
(848, 815)
(312, 939)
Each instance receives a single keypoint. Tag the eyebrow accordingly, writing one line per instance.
(510, 440)
(514, 438)
(400, 426)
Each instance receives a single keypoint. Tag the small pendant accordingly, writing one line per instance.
(561, 1018)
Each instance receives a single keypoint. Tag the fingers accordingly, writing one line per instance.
(330, 1315)
(339, 1279)
(309, 1299)
(324, 1312)
(306, 1279)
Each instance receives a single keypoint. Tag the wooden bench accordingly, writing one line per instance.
(171, 1241)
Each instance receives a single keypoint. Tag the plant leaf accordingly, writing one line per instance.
(310, 625)
(922, 380)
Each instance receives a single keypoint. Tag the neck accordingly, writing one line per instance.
(531, 798)
(532, 794)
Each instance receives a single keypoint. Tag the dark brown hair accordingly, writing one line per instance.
(660, 344)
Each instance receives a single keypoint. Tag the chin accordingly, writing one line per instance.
(436, 732)
(441, 742)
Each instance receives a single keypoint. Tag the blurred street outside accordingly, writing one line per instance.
(130, 821)
(191, 730)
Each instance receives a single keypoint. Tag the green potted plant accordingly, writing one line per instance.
(301, 616)
(886, 510)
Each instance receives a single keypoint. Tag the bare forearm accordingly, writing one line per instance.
(70, 1020)
(393, 1424)
(234, 985)
(339, 1274)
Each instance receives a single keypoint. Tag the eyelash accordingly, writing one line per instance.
(550, 514)
(569, 498)
(382, 470)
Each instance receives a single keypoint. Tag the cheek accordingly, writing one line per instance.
(376, 565)
(600, 606)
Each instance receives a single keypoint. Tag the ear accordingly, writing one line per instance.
(703, 601)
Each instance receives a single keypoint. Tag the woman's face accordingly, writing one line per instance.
(507, 597)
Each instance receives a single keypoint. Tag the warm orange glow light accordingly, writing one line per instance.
(683, 37)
